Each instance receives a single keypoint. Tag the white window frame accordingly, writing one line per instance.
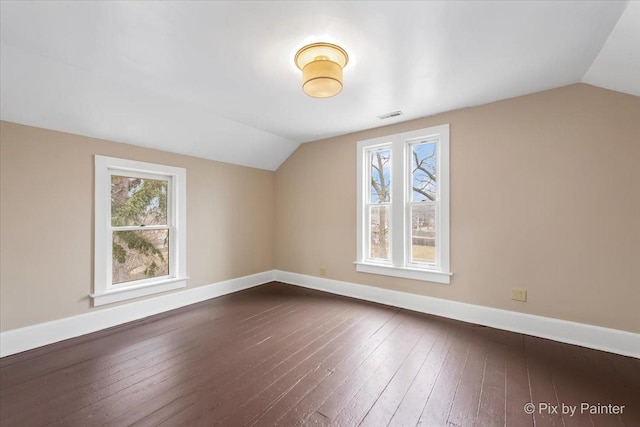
(105, 292)
(400, 225)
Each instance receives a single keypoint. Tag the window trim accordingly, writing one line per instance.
(104, 291)
(401, 265)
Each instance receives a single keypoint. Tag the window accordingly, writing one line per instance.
(140, 229)
(403, 205)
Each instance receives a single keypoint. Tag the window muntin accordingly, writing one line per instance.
(416, 211)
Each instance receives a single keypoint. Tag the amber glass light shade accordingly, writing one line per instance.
(321, 65)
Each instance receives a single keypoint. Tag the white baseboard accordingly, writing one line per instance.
(611, 340)
(29, 337)
(596, 337)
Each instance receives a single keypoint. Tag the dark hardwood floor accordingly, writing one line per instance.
(283, 355)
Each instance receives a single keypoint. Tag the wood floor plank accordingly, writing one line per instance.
(517, 384)
(102, 389)
(612, 383)
(438, 405)
(312, 400)
(413, 402)
(185, 403)
(491, 406)
(146, 384)
(577, 382)
(214, 403)
(87, 349)
(464, 408)
(392, 396)
(572, 385)
(325, 368)
(288, 356)
(357, 407)
(113, 364)
(391, 351)
(541, 382)
(281, 381)
(394, 375)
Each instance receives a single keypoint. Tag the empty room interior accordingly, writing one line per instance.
(257, 213)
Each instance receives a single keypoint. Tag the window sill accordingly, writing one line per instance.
(122, 294)
(405, 272)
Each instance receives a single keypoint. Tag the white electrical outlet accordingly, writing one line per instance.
(323, 271)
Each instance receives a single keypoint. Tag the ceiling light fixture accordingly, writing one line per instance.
(321, 65)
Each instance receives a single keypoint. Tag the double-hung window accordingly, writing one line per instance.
(140, 229)
(403, 205)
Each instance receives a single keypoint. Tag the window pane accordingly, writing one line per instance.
(423, 233)
(140, 254)
(379, 229)
(424, 162)
(379, 162)
(138, 201)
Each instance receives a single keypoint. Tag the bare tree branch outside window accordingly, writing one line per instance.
(424, 194)
(380, 209)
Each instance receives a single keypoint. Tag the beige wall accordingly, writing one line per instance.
(545, 195)
(46, 220)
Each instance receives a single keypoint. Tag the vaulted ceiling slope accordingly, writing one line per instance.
(217, 80)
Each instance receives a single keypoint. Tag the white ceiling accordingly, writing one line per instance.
(617, 66)
(217, 79)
